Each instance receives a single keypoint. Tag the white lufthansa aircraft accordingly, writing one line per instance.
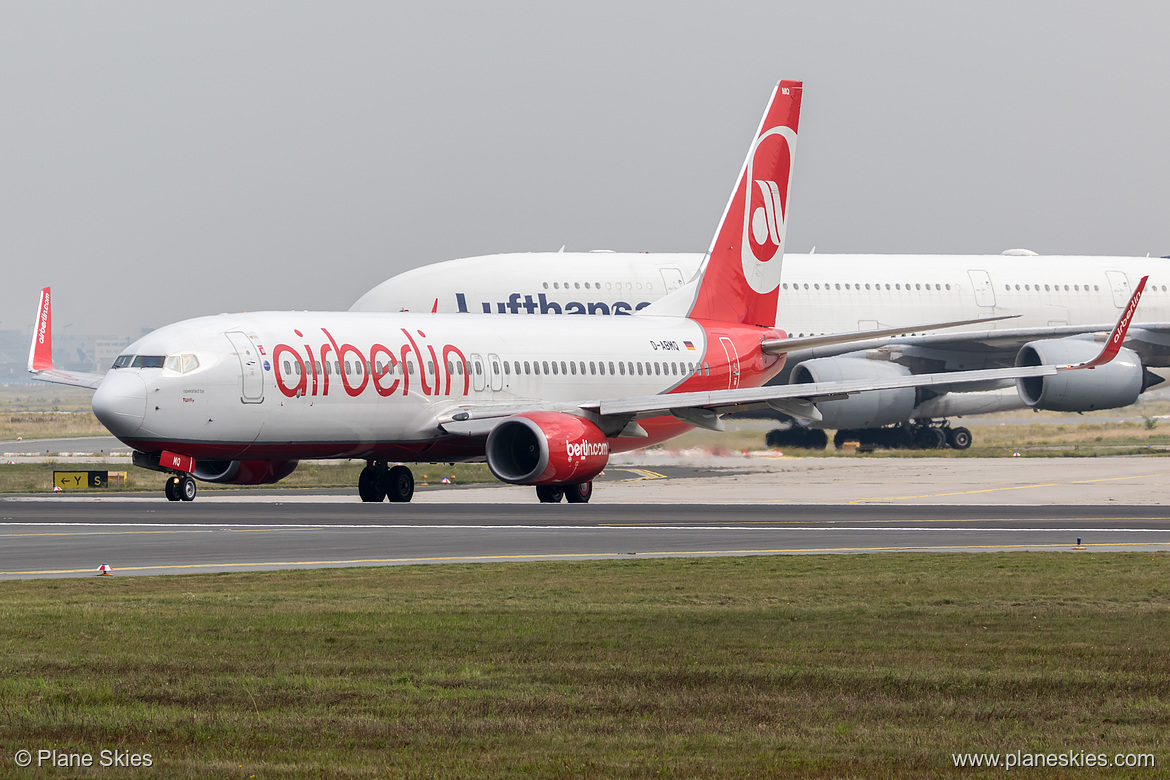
(1061, 305)
(240, 398)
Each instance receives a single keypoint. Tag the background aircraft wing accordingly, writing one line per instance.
(993, 348)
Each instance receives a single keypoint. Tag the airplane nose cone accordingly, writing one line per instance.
(120, 403)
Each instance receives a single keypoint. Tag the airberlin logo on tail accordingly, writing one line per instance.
(765, 206)
(43, 319)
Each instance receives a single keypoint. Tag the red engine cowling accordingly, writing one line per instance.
(243, 472)
(546, 448)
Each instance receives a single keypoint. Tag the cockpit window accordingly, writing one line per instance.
(149, 361)
(123, 361)
(182, 363)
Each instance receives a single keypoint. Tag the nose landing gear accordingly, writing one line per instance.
(180, 487)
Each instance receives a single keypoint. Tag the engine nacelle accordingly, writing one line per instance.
(1117, 383)
(243, 472)
(546, 448)
(864, 410)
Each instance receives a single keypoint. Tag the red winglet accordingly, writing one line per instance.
(1117, 338)
(40, 354)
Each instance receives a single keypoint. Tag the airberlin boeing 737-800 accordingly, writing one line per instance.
(240, 398)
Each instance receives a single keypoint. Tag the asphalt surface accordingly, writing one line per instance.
(135, 536)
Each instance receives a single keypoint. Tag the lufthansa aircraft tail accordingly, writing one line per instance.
(741, 277)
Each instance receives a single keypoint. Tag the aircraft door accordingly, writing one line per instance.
(984, 290)
(477, 377)
(1119, 283)
(672, 278)
(251, 372)
(496, 371)
(732, 362)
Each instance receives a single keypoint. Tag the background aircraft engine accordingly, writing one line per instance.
(1114, 384)
(864, 410)
(243, 472)
(546, 448)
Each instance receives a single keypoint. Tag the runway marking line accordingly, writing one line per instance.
(559, 556)
(643, 474)
(170, 531)
(998, 489)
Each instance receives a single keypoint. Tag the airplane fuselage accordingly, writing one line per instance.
(818, 293)
(364, 385)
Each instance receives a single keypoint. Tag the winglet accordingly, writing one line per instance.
(40, 352)
(1117, 338)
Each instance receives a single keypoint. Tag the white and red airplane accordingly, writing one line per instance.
(240, 398)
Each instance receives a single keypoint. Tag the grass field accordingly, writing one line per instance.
(811, 666)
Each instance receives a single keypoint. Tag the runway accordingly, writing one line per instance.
(681, 505)
(136, 536)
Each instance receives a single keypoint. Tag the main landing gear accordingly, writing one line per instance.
(379, 482)
(916, 435)
(574, 494)
(180, 487)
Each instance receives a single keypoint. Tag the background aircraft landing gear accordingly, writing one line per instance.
(180, 488)
(377, 483)
(550, 494)
(959, 438)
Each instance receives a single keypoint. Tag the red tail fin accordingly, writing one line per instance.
(742, 276)
(40, 354)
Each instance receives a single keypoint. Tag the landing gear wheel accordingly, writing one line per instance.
(171, 489)
(398, 483)
(930, 438)
(186, 488)
(368, 487)
(580, 493)
(549, 494)
(959, 438)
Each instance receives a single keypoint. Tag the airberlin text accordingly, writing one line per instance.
(526, 304)
(579, 450)
(386, 369)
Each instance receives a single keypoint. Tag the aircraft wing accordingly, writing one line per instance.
(994, 348)
(40, 353)
(73, 378)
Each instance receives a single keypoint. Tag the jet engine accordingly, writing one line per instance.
(227, 472)
(864, 410)
(1117, 383)
(546, 448)
(243, 472)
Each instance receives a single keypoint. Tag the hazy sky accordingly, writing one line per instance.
(165, 160)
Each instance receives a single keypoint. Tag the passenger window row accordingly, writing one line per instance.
(648, 286)
(527, 368)
(858, 286)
